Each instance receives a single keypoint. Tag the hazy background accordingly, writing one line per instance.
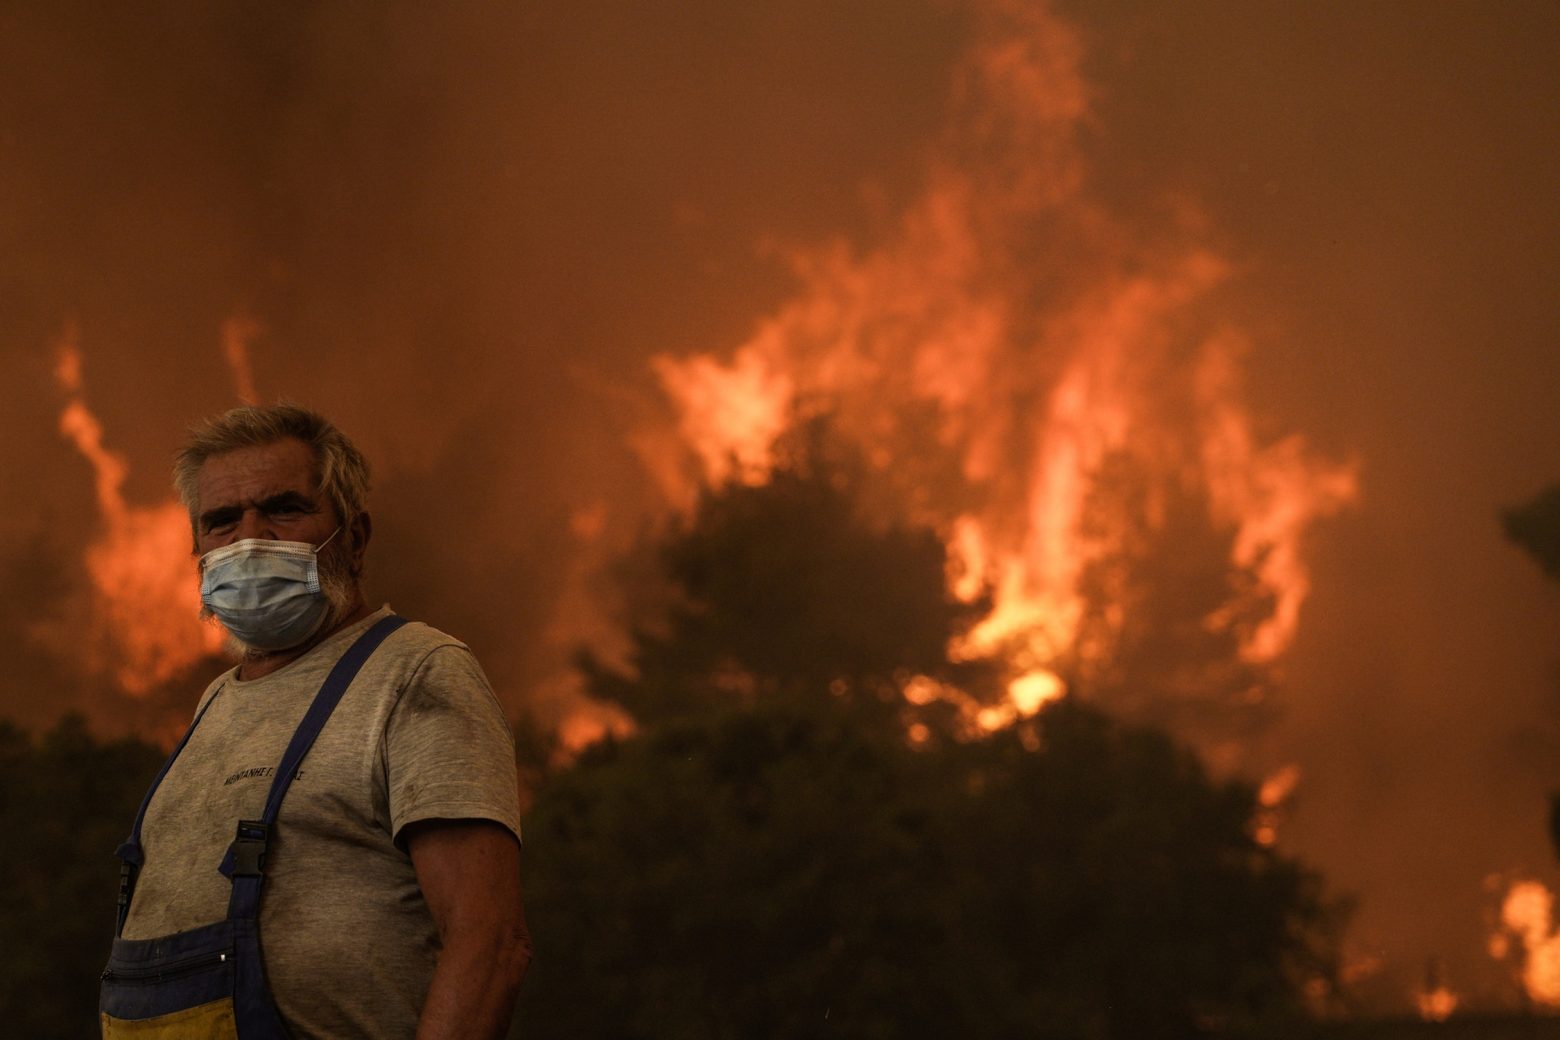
(464, 229)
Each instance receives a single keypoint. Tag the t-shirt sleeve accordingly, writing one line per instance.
(449, 752)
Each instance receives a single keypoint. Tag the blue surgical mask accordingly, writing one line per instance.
(266, 593)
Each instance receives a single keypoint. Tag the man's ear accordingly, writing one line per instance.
(359, 531)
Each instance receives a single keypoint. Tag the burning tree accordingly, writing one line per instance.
(1167, 613)
(794, 841)
(1527, 934)
(786, 590)
(1053, 386)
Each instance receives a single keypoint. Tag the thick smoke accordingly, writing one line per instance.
(459, 232)
(464, 232)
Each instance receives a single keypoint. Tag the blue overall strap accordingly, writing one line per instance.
(245, 859)
(129, 852)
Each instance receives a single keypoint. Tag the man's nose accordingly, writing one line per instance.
(252, 524)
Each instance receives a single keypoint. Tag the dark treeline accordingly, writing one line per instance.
(66, 802)
(786, 846)
(1535, 527)
(772, 855)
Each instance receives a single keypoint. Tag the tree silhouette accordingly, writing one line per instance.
(1167, 612)
(784, 590)
(771, 855)
(1535, 526)
(66, 802)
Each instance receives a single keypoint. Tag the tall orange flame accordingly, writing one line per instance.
(143, 622)
(1002, 347)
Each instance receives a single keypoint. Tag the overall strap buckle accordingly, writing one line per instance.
(127, 873)
(249, 848)
(126, 885)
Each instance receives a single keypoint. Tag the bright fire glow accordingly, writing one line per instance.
(1278, 788)
(730, 413)
(1527, 925)
(1437, 1005)
(1272, 494)
(1272, 796)
(144, 623)
(1008, 342)
(581, 729)
(1032, 691)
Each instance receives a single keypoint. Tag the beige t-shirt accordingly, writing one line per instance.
(348, 942)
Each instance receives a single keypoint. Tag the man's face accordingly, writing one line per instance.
(267, 491)
(270, 492)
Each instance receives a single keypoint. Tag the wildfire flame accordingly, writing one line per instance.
(1436, 1001)
(1002, 346)
(1437, 1005)
(1527, 928)
(1275, 792)
(731, 414)
(144, 624)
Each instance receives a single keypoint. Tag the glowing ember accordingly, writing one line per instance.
(1272, 796)
(1007, 344)
(144, 618)
(1278, 788)
(923, 690)
(1437, 1005)
(1528, 925)
(995, 717)
(1032, 691)
(1436, 1001)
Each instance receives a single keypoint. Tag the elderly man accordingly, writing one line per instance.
(334, 848)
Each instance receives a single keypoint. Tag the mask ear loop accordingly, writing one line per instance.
(200, 567)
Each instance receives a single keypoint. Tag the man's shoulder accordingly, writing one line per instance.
(415, 636)
(434, 673)
(413, 657)
(411, 638)
(417, 647)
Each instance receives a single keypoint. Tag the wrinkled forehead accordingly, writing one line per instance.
(257, 472)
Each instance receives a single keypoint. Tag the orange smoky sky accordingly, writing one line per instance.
(479, 235)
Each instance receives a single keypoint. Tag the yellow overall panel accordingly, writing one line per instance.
(213, 1021)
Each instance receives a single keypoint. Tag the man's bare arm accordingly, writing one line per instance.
(469, 871)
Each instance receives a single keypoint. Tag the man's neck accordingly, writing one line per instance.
(260, 663)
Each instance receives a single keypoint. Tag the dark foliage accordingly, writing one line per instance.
(784, 591)
(66, 802)
(770, 856)
(1535, 527)
(784, 873)
(1168, 612)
